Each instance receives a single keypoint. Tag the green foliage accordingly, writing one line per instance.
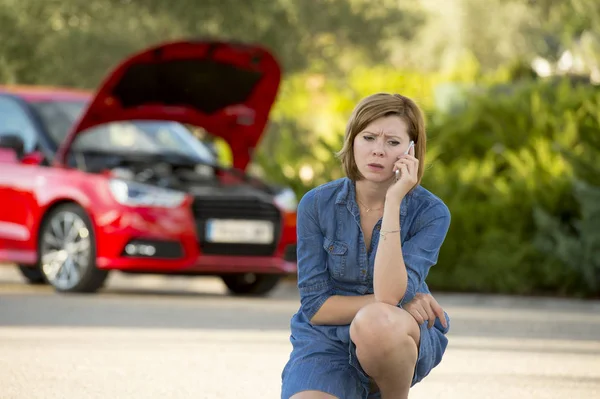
(575, 243)
(76, 42)
(575, 239)
(495, 162)
(559, 24)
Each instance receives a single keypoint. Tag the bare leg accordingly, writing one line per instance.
(387, 341)
(312, 395)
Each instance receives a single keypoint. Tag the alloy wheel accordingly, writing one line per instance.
(65, 250)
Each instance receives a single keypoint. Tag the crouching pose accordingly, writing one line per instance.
(367, 325)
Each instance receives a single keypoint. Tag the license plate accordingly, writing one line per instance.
(239, 231)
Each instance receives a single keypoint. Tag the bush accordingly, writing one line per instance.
(575, 240)
(493, 162)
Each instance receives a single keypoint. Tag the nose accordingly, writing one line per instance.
(377, 152)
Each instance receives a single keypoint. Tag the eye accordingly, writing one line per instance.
(393, 143)
(368, 138)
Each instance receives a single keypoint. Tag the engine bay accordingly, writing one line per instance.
(167, 170)
(166, 175)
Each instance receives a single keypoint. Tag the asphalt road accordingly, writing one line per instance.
(156, 337)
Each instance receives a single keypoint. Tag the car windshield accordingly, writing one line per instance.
(152, 137)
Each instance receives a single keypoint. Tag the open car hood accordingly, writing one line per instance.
(226, 88)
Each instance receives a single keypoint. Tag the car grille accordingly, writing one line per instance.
(248, 209)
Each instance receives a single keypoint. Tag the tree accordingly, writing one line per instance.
(75, 42)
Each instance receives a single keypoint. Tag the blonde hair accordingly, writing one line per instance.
(378, 106)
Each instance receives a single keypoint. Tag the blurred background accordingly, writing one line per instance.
(510, 88)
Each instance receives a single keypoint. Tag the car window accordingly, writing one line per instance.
(58, 117)
(151, 137)
(14, 120)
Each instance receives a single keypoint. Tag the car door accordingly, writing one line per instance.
(18, 205)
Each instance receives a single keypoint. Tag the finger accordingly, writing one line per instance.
(439, 312)
(408, 158)
(403, 171)
(416, 315)
(430, 315)
(410, 165)
(414, 309)
(397, 164)
(397, 170)
(411, 161)
(423, 313)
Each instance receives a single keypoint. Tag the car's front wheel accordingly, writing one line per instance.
(251, 283)
(67, 251)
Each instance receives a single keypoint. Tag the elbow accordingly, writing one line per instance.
(392, 300)
(312, 308)
(391, 297)
(316, 320)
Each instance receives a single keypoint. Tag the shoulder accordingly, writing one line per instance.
(428, 206)
(323, 194)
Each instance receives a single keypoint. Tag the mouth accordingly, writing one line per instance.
(376, 166)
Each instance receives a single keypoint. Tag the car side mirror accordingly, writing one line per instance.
(13, 142)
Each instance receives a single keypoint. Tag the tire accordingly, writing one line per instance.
(251, 284)
(32, 274)
(67, 251)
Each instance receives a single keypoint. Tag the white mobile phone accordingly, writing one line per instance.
(412, 143)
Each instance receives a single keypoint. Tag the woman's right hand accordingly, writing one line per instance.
(424, 307)
(407, 176)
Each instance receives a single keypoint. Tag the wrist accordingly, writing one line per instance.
(393, 200)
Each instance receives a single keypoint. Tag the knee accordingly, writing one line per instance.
(380, 327)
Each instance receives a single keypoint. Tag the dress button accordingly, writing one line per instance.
(378, 227)
(331, 247)
(363, 272)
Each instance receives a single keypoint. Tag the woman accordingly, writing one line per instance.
(367, 325)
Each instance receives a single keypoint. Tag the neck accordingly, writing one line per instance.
(371, 194)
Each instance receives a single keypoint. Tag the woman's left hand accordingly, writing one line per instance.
(424, 307)
(406, 178)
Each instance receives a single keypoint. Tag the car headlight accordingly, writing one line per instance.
(286, 200)
(137, 194)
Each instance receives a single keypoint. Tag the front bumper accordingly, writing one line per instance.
(171, 241)
(203, 264)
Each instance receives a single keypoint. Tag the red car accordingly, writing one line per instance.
(115, 180)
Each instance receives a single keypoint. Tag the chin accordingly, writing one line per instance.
(375, 177)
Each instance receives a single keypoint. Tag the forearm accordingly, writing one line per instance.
(390, 277)
(340, 309)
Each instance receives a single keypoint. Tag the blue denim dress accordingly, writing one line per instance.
(333, 260)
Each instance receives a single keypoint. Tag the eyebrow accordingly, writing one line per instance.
(379, 134)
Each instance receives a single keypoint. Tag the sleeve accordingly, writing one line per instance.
(314, 282)
(420, 252)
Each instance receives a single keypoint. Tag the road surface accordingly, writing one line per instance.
(155, 337)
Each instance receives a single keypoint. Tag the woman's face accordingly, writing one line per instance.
(378, 147)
